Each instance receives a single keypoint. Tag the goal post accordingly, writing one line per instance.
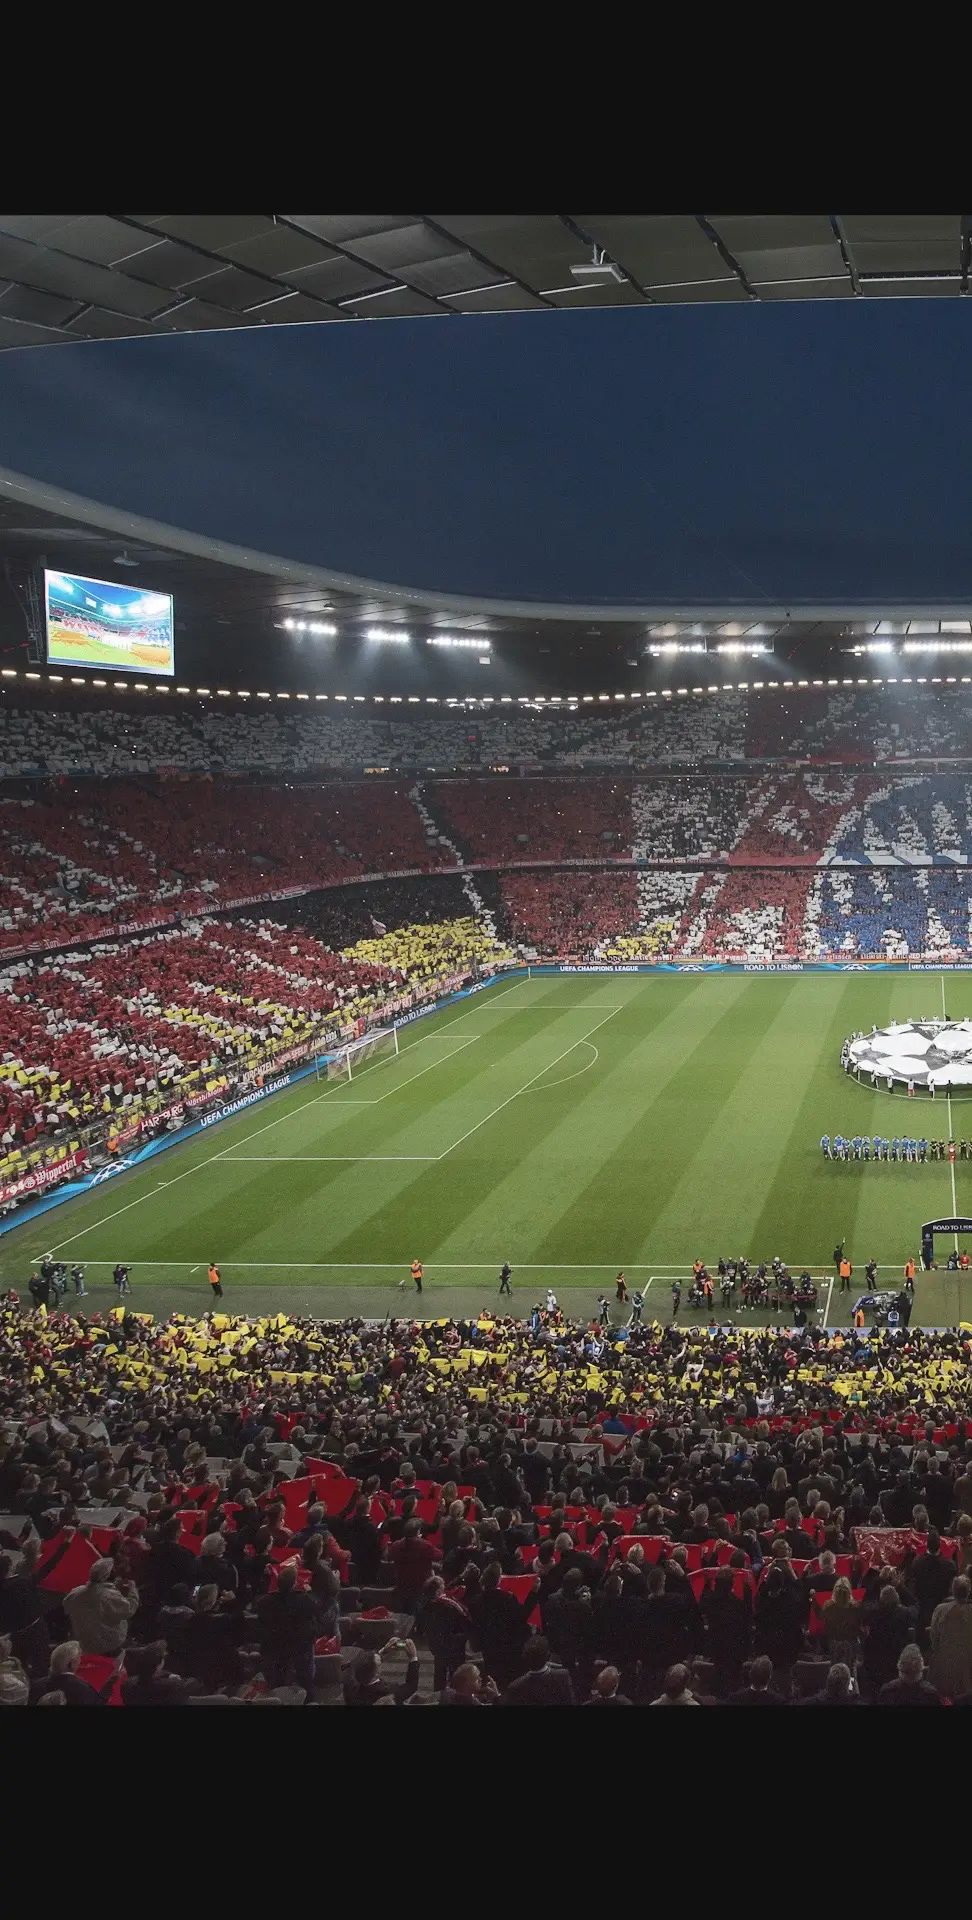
(347, 1061)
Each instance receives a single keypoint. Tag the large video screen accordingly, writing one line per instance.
(97, 623)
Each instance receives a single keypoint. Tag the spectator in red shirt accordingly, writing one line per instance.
(412, 1559)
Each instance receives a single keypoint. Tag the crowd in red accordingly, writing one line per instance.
(567, 913)
(80, 858)
(542, 819)
(94, 1032)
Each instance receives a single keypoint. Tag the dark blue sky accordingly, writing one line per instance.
(782, 452)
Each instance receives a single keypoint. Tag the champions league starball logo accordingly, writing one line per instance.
(919, 1053)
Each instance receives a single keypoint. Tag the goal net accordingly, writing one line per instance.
(348, 1060)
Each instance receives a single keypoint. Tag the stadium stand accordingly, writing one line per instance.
(82, 735)
(81, 1043)
(78, 858)
(481, 1512)
(114, 826)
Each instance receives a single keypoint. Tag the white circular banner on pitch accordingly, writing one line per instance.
(915, 1051)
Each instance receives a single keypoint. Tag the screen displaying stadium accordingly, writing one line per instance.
(97, 623)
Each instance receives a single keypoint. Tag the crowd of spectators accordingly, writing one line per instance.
(75, 737)
(105, 857)
(567, 915)
(541, 819)
(80, 859)
(127, 1029)
(538, 1512)
(82, 735)
(885, 910)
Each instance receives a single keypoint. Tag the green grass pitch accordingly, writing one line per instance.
(570, 1124)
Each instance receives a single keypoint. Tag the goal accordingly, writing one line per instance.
(348, 1060)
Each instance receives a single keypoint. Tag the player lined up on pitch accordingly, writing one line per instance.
(861, 1147)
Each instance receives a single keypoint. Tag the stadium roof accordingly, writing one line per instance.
(111, 276)
(251, 618)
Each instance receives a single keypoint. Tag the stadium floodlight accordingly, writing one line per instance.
(598, 270)
(395, 637)
(677, 646)
(454, 640)
(324, 628)
(936, 646)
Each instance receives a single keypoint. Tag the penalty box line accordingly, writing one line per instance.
(281, 1118)
(226, 1152)
(243, 1159)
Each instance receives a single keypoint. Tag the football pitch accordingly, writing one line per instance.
(570, 1124)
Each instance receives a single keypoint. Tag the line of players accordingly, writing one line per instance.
(861, 1148)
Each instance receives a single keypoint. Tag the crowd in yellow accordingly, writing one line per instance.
(424, 952)
(544, 1366)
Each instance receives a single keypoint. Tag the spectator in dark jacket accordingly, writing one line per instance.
(469, 1689)
(727, 1619)
(607, 1690)
(501, 1623)
(930, 1577)
(445, 1626)
(779, 1616)
(148, 1684)
(837, 1690)
(361, 1537)
(169, 1565)
(887, 1628)
(210, 1640)
(568, 1622)
(21, 1618)
(543, 1684)
(759, 1692)
(63, 1678)
(910, 1689)
(289, 1623)
(368, 1684)
(671, 1627)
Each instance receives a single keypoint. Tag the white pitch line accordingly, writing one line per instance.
(515, 1096)
(568, 1077)
(395, 1266)
(322, 1159)
(255, 1135)
(654, 1267)
(830, 1295)
(289, 1115)
(462, 1042)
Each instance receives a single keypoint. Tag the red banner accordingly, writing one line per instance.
(886, 1546)
(43, 1176)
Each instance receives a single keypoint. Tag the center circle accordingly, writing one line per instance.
(935, 1055)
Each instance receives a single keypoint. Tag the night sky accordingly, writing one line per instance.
(766, 453)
